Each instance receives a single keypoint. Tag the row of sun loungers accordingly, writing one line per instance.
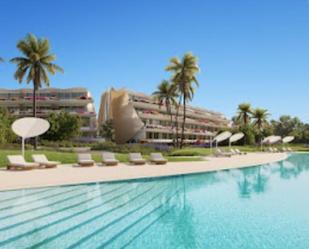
(18, 162)
(276, 150)
(231, 152)
(109, 159)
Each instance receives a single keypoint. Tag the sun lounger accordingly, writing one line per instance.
(270, 150)
(220, 153)
(109, 159)
(44, 162)
(233, 152)
(240, 153)
(275, 150)
(157, 158)
(136, 158)
(18, 162)
(85, 160)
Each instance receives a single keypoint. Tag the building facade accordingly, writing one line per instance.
(139, 118)
(76, 101)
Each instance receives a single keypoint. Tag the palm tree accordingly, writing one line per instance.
(244, 112)
(260, 119)
(36, 63)
(166, 95)
(184, 76)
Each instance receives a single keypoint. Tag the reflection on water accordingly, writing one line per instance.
(254, 180)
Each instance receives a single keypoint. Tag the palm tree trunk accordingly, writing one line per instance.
(176, 123)
(172, 125)
(183, 121)
(35, 140)
(34, 102)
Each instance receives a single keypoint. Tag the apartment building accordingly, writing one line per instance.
(139, 118)
(76, 101)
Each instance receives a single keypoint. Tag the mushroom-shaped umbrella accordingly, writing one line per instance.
(288, 139)
(275, 139)
(29, 127)
(271, 139)
(236, 137)
(221, 137)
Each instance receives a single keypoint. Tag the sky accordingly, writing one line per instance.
(253, 51)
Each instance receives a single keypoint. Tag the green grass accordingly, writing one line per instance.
(188, 154)
(194, 151)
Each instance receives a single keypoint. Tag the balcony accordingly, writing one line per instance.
(168, 129)
(151, 108)
(43, 101)
(166, 117)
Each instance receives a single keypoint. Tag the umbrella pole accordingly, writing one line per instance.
(23, 146)
(211, 144)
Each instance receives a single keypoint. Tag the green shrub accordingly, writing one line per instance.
(191, 151)
(123, 148)
(62, 144)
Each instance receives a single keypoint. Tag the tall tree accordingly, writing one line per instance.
(36, 63)
(184, 77)
(166, 95)
(63, 126)
(107, 130)
(244, 112)
(260, 120)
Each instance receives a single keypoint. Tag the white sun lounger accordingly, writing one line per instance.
(44, 162)
(157, 158)
(220, 153)
(240, 153)
(85, 160)
(136, 158)
(17, 162)
(275, 150)
(234, 152)
(109, 159)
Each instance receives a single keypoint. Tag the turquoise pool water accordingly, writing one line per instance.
(259, 207)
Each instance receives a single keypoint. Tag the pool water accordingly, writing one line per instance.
(258, 207)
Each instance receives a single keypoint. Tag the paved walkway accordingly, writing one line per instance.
(69, 174)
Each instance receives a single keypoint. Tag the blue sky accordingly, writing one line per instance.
(253, 51)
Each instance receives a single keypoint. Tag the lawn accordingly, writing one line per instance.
(188, 154)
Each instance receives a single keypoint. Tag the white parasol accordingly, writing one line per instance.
(236, 137)
(29, 127)
(221, 137)
(288, 139)
(271, 139)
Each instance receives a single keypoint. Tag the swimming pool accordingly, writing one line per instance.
(257, 207)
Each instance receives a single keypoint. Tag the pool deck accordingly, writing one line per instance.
(71, 174)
